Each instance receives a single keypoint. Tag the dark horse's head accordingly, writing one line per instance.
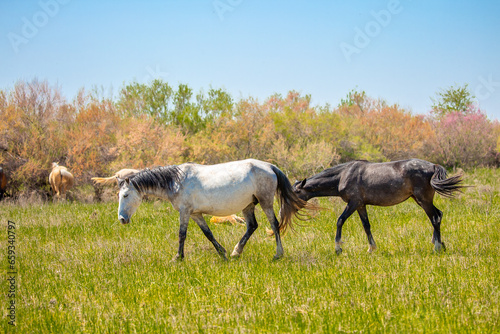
(300, 191)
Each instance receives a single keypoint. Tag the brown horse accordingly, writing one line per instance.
(3, 183)
(61, 180)
(233, 219)
(362, 183)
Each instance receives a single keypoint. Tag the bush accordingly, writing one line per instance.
(397, 133)
(465, 140)
(151, 125)
(142, 142)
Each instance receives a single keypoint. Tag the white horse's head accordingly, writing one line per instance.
(129, 200)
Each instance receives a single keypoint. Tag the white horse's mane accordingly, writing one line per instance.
(157, 178)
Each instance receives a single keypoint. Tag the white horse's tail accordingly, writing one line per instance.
(290, 203)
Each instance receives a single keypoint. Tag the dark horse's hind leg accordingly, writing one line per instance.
(249, 214)
(366, 225)
(348, 211)
(208, 233)
(435, 215)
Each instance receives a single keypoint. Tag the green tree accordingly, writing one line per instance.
(454, 99)
(353, 98)
(186, 114)
(217, 103)
(153, 100)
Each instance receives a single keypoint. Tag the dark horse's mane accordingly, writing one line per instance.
(340, 167)
(159, 177)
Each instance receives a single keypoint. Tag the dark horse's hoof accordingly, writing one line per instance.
(338, 251)
(439, 247)
(177, 258)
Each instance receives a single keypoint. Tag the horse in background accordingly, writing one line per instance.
(3, 183)
(121, 174)
(218, 190)
(362, 183)
(61, 180)
(233, 219)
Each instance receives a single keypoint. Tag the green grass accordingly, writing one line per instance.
(80, 271)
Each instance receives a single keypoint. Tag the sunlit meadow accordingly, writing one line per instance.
(81, 271)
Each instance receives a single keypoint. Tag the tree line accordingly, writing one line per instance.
(157, 124)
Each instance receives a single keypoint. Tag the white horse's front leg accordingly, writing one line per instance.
(251, 222)
(183, 225)
(208, 233)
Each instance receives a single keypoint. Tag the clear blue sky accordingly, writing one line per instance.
(402, 51)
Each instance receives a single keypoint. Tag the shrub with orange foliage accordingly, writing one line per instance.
(30, 134)
(90, 140)
(96, 136)
(142, 142)
(249, 133)
(398, 133)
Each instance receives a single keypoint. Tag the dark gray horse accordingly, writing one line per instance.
(219, 190)
(361, 183)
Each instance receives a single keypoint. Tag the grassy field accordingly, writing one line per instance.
(81, 271)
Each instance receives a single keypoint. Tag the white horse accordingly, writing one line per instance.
(218, 190)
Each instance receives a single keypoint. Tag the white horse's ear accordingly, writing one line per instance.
(120, 181)
(127, 180)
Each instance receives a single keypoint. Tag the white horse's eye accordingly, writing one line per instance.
(126, 195)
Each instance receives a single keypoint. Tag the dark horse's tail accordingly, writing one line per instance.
(446, 187)
(290, 203)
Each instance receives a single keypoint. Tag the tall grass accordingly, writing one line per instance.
(80, 271)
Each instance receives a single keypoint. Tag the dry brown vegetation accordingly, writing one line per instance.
(155, 124)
